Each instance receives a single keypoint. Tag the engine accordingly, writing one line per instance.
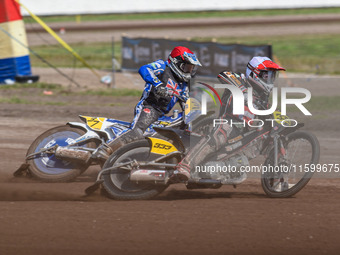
(228, 171)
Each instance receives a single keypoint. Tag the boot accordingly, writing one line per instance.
(195, 156)
(105, 150)
(204, 147)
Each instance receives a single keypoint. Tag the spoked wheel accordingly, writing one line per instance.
(117, 182)
(48, 168)
(302, 150)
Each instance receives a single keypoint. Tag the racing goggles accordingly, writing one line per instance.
(188, 68)
(268, 77)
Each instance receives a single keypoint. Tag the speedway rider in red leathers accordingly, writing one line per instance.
(163, 80)
(260, 74)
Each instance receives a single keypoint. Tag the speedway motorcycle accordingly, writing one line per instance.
(63, 153)
(144, 169)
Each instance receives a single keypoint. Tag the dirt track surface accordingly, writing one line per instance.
(40, 218)
(55, 219)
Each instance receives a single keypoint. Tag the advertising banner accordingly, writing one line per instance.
(215, 57)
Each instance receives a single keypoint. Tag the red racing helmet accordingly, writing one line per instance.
(264, 71)
(183, 62)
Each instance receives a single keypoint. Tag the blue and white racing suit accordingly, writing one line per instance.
(158, 74)
(151, 105)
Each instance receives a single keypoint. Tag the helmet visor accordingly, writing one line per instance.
(268, 77)
(188, 68)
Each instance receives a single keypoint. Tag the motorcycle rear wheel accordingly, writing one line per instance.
(46, 167)
(301, 148)
(117, 184)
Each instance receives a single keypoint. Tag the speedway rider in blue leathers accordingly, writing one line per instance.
(163, 80)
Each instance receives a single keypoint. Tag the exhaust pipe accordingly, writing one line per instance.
(71, 154)
(156, 176)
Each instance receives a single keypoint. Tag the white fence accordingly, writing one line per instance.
(66, 7)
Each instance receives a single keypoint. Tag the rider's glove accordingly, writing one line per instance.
(163, 92)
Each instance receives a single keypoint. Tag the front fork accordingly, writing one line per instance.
(278, 148)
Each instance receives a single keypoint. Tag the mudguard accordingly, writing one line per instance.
(89, 132)
(181, 138)
(210, 113)
(279, 128)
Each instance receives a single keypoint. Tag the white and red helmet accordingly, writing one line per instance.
(183, 62)
(264, 71)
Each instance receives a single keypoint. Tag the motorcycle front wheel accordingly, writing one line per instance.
(117, 182)
(45, 166)
(294, 170)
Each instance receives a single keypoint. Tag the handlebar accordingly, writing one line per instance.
(180, 98)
